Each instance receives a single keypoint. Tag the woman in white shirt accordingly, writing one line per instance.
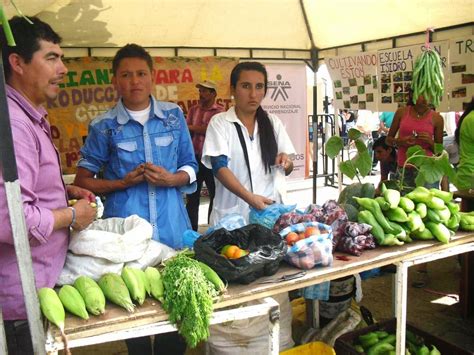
(266, 142)
(240, 184)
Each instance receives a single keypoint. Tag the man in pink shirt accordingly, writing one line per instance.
(33, 71)
(197, 119)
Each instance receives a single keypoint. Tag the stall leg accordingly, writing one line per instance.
(401, 304)
(274, 327)
(312, 313)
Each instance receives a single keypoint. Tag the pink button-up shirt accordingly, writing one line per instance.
(199, 116)
(42, 190)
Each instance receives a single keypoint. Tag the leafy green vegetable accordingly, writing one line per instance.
(188, 298)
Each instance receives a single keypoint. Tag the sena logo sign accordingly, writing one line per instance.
(279, 88)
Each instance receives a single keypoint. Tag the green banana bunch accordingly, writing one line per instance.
(428, 78)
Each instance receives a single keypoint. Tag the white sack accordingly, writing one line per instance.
(116, 239)
(83, 265)
(251, 336)
(154, 254)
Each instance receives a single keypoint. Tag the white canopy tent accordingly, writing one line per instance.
(294, 27)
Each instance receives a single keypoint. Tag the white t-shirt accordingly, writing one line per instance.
(140, 116)
(222, 139)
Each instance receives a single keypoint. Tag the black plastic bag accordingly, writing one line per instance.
(266, 250)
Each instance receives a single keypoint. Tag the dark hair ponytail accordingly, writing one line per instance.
(268, 144)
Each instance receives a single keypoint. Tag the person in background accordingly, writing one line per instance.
(464, 136)
(387, 156)
(386, 119)
(368, 124)
(197, 119)
(247, 181)
(145, 150)
(450, 145)
(33, 70)
(350, 119)
(416, 124)
(347, 122)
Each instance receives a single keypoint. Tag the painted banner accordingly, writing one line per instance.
(461, 72)
(286, 98)
(354, 80)
(87, 91)
(395, 69)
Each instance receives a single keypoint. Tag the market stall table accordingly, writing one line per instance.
(151, 318)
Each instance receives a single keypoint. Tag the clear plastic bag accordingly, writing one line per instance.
(314, 250)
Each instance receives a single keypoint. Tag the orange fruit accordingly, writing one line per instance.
(301, 235)
(309, 231)
(231, 251)
(224, 249)
(239, 253)
(291, 238)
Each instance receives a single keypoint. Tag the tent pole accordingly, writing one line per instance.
(314, 61)
(17, 222)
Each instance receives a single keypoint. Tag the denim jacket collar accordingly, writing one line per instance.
(123, 116)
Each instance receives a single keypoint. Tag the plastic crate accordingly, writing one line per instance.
(344, 344)
(315, 347)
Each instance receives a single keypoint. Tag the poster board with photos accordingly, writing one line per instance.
(461, 73)
(355, 81)
(395, 70)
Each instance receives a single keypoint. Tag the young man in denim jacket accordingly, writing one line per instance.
(144, 150)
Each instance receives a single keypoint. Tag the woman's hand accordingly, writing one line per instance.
(407, 141)
(285, 162)
(259, 202)
(427, 138)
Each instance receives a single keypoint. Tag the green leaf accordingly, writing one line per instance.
(363, 162)
(431, 170)
(416, 154)
(438, 148)
(354, 134)
(361, 147)
(420, 179)
(443, 162)
(348, 169)
(334, 145)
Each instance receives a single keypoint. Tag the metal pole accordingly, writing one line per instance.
(314, 61)
(3, 338)
(17, 222)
